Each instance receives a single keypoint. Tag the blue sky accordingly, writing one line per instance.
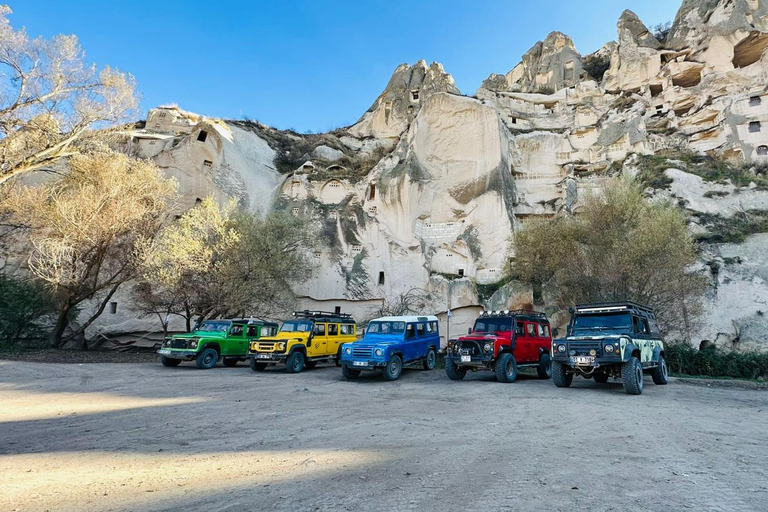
(312, 65)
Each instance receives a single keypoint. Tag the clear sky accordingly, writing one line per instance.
(313, 65)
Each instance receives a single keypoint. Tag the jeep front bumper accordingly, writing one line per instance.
(170, 353)
(267, 357)
(472, 362)
(586, 363)
(363, 364)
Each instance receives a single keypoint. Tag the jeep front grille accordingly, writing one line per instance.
(266, 346)
(470, 348)
(361, 351)
(582, 348)
(179, 343)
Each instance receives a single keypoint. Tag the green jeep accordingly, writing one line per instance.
(214, 339)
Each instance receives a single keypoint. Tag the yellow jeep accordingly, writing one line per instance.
(305, 340)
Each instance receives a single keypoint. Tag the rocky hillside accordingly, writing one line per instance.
(426, 188)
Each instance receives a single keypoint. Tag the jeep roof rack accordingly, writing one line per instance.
(609, 307)
(528, 314)
(323, 315)
(253, 321)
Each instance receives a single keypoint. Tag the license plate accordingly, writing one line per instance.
(359, 363)
(263, 356)
(164, 352)
(585, 360)
(466, 359)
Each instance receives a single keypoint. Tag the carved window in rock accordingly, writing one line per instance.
(295, 211)
(207, 165)
(152, 143)
(357, 249)
(162, 114)
(372, 192)
(113, 308)
(755, 127)
(317, 255)
(202, 136)
(755, 101)
(308, 167)
(461, 272)
(415, 95)
(762, 150)
(381, 278)
(157, 125)
(334, 184)
(333, 215)
(513, 120)
(373, 210)
(295, 189)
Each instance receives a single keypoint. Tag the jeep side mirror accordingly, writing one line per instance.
(469, 330)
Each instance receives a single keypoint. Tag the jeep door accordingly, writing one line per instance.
(235, 343)
(642, 338)
(411, 344)
(318, 343)
(332, 344)
(528, 346)
(543, 341)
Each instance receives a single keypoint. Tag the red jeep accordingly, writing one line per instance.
(502, 341)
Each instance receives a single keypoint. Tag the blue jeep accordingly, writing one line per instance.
(391, 342)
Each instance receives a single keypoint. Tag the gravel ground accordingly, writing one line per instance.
(142, 437)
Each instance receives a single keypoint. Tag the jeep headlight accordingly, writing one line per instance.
(561, 348)
(347, 350)
(281, 345)
(167, 343)
(488, 347)
(193, 344)
(609, 349)
(378, 352)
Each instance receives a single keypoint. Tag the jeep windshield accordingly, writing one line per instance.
(620, 322)
(297, 326)
(386, 328)
(493, 325)
(214, 326)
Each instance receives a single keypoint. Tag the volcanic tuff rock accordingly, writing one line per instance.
(424, 191)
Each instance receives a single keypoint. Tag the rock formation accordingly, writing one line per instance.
(426, 188)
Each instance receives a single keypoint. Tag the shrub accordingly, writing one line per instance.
(734, 229)
(597, 65)
(24, 307)
(715, 362)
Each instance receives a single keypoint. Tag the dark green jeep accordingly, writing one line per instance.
(213, 340)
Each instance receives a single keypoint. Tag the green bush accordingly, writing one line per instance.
(24, 308)
(715, 362)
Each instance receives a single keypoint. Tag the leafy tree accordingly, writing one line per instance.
(618, 247)
(24, 305)
(82, 228)
(50, 99)
(222, 261)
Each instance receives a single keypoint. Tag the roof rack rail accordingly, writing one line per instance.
(618, 305)
(322, 314)
(517, 312)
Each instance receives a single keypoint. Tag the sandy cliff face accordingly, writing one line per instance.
(426, 188)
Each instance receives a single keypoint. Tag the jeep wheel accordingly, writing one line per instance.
(453, 371)
(429, 362)
(601, 378)
(207, 359)
(544, 370)
(310, 364)
(506, 368)
(660, 374)
(632, 376)
(349, 373)
(394, 368)
(256, 366)
(295, 362)
(560, 376)
(338, 357)
(167, 361)
(229, 363)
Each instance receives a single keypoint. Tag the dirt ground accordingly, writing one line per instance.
(143, 437)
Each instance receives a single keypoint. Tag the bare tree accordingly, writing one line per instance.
(82, 228)
(50, 99)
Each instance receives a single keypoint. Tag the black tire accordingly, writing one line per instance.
(660, 374)
(257, 366)
(295, 362)
(310, 364)
(349, 373)
(544, 370)
(207, 359)
(506, 368)
(229, 363)
(429, 362)
(453, 371)
(560, 377)
(167, 361)
(338, 357)
(600, 378)
(632, 376)
(394, 368)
